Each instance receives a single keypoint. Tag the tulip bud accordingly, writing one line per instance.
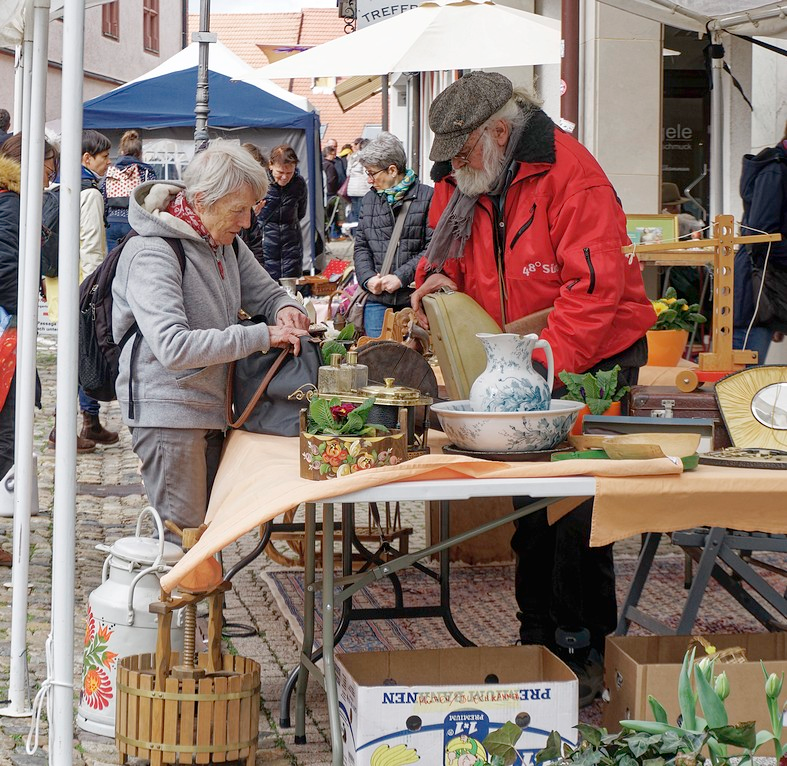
(706, 667)
(722, 686)
(773, 686)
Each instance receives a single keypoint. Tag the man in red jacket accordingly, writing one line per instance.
(525, 219)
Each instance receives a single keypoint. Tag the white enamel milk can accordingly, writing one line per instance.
(118, 621)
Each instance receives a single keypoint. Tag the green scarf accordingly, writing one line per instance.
(396, 193)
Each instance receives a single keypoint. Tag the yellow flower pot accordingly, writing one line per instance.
(325, 456)
(665, 347)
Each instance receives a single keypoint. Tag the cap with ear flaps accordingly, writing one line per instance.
(464, 106)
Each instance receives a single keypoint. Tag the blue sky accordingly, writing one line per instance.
(260, 6)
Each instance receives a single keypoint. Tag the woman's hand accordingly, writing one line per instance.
(431, 285)
(374, 285)
(390, 283)
(289, 316)
(286, 336)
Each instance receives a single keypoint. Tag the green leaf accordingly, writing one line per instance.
(331, 347)
(324, 468)
(659, 713)
(347, 332)
(502, 742)
(591, 734)
(686, 697)
(740, 735)
(553, 749)
(320, 417)
(712, 707)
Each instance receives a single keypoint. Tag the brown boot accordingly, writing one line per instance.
(83, 445)
(94, 431)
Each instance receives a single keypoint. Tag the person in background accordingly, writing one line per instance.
(339, 162)
(128, 172)
(188, 322)
(332, 199)
(393, 183)
(252, 235)
(5, 125)
(672, 204)
(525, 219)
(281, 215)
(92, 251)
(763, 188)
(358, 184)
(10, 184)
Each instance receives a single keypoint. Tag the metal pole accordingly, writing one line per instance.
(414, 108)
(569, 64)
(61, 707)
(204, 37)
(19, 72)
(716, 127)
(36, 33)
(384, 95)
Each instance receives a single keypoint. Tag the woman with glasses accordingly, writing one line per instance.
(393, 184)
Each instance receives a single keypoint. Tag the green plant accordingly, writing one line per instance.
(337, 418)
(335, 345)
(500, 744)
(596, 390)
(673, 313)
(692, 741)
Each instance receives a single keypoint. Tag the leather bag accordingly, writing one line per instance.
(266, 391)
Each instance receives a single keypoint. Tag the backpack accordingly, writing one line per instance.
(50, 232)
(99, 355)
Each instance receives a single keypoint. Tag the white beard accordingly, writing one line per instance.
(475, 182)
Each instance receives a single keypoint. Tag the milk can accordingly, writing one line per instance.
(118, 621)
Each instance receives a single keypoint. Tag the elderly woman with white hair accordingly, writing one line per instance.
(395, 190)
(172, 395)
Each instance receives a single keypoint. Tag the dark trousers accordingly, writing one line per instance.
(8, 430)
(561, 582)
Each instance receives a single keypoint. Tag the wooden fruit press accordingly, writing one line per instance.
(722, 359)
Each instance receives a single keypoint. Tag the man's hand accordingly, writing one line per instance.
(431, 285)
(289, 316)
(374, 285)
(284, 336)
(390, 283)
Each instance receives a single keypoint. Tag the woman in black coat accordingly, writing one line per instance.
(392, 183)
(281, 215)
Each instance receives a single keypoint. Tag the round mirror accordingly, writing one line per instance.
(769, 406)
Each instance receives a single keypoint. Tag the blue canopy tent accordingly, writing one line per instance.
(160, 105)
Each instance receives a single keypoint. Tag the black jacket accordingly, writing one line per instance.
(10, 173)
(374, 231)
(763, 189)
(285, 206)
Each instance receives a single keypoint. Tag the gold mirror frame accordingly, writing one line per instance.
(753, 405)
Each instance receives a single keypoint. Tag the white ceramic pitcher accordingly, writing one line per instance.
(509, 383)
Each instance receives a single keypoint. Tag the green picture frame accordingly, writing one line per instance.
(652, 229)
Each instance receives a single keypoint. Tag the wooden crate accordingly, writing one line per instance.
(211, 720)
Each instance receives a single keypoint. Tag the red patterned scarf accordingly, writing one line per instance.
(181, 209)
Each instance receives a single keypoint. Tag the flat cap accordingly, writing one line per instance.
(464, 106)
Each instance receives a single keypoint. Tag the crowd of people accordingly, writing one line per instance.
(510, 190)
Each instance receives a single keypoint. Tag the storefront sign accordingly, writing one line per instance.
(372, 11)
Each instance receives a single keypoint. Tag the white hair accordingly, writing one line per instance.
(473, 182)
(383, 151)
(222, 169)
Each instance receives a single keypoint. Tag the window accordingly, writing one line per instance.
(150, 19)
(324, 85)
(110, 20)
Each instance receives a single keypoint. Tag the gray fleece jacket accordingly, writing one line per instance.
(189, 322)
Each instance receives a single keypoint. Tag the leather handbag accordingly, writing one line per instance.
(266, 391)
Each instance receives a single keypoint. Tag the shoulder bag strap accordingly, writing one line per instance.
(244, 416)
(393, 244)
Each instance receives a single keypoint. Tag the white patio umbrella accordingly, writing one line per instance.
(437, 35)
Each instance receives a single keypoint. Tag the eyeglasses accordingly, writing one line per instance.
(376, 172)
(464, 157)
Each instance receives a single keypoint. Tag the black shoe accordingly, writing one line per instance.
(589, 670)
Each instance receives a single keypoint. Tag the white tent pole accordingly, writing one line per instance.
(716, 127)
(27, 320)
(61, 710)
(19, 71)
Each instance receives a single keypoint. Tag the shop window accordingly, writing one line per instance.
(110, 20)
(150, 25)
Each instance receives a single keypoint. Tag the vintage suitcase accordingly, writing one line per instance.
(670, 402)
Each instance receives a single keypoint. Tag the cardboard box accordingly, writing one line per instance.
(636, 666)
(437, 705)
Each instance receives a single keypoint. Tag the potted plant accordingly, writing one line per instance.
(674, 318)
(337, 440)
(701, 734)
(599, 392)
